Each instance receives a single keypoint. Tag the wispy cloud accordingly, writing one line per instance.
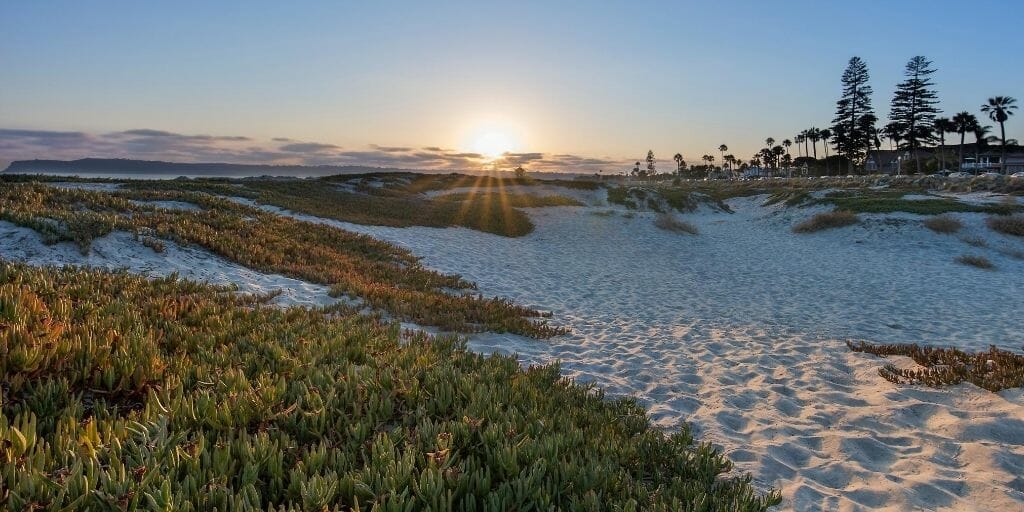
(152, 144)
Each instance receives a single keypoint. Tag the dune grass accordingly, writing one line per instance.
(945, 224)
(889, 201)
(402, 210)
(383, 276)
(975, 261)
(512, 200)
(1009, 225)
(827, 220)
(994, 369)
(669, 223)
(121, 393)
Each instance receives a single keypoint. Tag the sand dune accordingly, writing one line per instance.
(741, 331)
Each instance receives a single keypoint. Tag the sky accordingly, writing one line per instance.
(555, 84)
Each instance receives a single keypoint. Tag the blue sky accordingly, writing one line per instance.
(593, 82)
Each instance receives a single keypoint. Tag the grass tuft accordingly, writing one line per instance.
(667, 222)
(828, 220)
(1008, 225)
(993, 369)
(945, 224)
(975, 261)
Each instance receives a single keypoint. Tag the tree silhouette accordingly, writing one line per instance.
(963, 122)
(999, 109)
(852, 137)
(914, 106)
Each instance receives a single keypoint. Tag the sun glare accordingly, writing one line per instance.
(492, 143)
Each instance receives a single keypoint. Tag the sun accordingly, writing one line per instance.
(492, 142)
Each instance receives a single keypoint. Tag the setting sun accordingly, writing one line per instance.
(492, 142)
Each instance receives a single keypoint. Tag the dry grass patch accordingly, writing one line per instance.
(943, 224)
(829, 220)
(975, 261)
(993, 369)
(1008, 225)
(670, 223)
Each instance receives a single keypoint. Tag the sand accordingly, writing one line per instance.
(120, 250)
(740, 331)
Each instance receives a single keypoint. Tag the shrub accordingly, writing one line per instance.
(121, 393)
(828, 220)
(993, 370)
(943, 224)
(154, 243)
(669, 223)
(975, 261)
(1009, 225)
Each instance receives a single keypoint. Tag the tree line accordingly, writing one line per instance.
(914, 123)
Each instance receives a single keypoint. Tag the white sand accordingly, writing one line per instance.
(740, 331)
(120, 250)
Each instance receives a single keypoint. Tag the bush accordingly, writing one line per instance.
(975, 261)
(121, 393)
(1009, 225)
(943, 224)
(829, 220)
(669, 223)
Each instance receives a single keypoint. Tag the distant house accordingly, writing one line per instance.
(990, 159)
(882, 161)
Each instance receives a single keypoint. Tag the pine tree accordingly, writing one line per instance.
(851, 128)
(914, 107)
(651, 171)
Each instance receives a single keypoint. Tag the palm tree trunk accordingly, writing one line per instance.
(960, 167)
(942, 150)
(1002, 153)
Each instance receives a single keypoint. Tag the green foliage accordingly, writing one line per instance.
(121, 393)
(893, 201)
(383, 276)
(994, 369)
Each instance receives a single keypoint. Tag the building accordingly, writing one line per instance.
(985, 159)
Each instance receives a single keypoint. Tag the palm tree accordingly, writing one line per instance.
(815, 135)
(943, 126)
(805, 136)
(799, 140)
(892, 131)
(679, 162)
(722, 149)
(981, 139)
(825, 135)
(963, 122)
(999, 109)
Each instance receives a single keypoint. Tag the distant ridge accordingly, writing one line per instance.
(126, 166)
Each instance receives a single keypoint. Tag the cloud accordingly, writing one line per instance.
(309, 147)
(153, 144)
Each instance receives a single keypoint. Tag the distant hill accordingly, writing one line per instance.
(123, 167)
